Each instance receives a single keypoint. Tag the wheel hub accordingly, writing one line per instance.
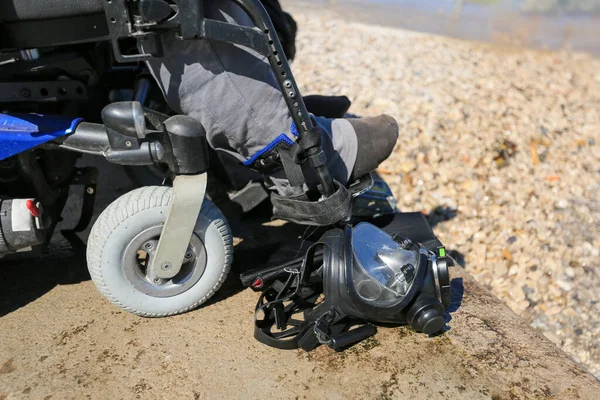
(139, 252)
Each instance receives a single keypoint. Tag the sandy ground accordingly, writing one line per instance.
(60, 339)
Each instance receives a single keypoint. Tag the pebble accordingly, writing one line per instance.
(561, 204)
(564, 285)
(513, 270)
(464, 110)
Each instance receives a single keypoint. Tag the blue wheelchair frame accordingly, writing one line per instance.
(22, 132)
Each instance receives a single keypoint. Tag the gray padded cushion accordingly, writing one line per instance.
(27, 10)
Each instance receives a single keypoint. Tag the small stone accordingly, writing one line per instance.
(507, 255)
(561, 204)
(570, 272)
(564, 285)
(408, 166)
(500, 270)
(513, 270)
(466, 185)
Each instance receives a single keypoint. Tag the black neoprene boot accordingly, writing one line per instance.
(376, 138)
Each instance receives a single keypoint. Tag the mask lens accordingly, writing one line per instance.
(368, 289)
(383, 271)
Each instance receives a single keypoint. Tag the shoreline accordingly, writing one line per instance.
(495, 26)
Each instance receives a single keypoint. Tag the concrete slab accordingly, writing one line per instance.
(60, 339)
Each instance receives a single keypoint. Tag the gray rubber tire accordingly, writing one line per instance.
(131, 214)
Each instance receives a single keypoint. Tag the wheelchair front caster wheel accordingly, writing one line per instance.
(125, 235)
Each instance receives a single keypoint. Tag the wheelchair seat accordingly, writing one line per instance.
(28, 24)
(27, 10)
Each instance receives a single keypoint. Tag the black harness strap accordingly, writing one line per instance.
(302, 295)
(293, 170)
(293, 157)
(324, 212)
(322, 323)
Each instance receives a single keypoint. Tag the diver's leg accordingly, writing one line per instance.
(232, 91)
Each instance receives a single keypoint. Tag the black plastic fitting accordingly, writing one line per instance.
(124, 121)
(426, 314)
(88, 138)
(189, 145)
(350, 337)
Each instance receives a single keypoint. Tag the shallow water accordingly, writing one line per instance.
(550, 24)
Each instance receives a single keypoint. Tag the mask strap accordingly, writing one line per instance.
(296, 289)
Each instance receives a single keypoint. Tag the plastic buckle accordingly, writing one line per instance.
(321, 328)
(322, 325)
(268, 162)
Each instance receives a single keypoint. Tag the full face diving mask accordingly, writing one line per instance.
(354, 276)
